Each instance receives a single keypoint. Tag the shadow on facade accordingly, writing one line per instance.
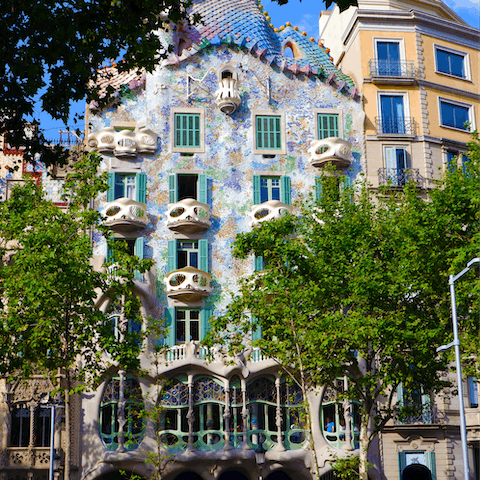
(188, 476)
(232, 475)
(278, 475)
(117, 475)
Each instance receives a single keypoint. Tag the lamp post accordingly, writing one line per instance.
(260, 459)
(458, 365)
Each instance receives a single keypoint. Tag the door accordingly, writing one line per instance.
(392, 114)
(388, 55)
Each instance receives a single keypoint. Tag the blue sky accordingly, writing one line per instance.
(303, 14)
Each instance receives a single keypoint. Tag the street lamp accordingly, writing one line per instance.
(458, 365)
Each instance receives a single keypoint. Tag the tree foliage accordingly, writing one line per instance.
(49, 314)
(359, 289)
(342, 4)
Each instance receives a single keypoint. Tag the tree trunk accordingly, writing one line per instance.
(363, 468)
(67, 428)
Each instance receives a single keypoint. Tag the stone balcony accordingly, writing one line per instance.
(188, 284)
(227, 96)
(188, 216)
(266, 211)
(125, 215)
(123, 143)
(332, 150)
(23, 457)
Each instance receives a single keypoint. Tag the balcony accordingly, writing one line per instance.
(332, 150)
(188, 216)
(399, 177)
(266, 211)
(123, 143)
(392, 71)
(188, 284)
(24, 457)
(395, 126)
(227, 96)
(125, 215)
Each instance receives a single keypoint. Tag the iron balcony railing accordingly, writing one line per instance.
(398, 177)
(392, 68)
(395, 126)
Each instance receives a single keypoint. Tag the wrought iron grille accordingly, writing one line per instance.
(397, 177)
(395, 125)
(392, 68)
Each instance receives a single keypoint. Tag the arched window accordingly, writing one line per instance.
(262, 406)
(334, 420)
(293, 416)
(236, 407)
(173, 424)
(122, 397)
(209, 407)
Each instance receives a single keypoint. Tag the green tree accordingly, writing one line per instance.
(358, 289)
(49, 316)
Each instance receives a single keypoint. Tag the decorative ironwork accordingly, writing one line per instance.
(392, 68)
(176, 395)
(206, 390)
(395, 126)
(400, 177)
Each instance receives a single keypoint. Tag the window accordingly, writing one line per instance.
(121, 403)
(451, 160)
(187, 132)
(121, 325)
(267, 188)
(188, 253)
(416, 464)
(327, 187)
(186, 324)
(24, 419)
(451, 62)
(269, 133)
(473, 392)
(393, 115)
(127, 185)
(388, 58)
(456, 115)
(416, 406)
(327, 125)
(134, 247)
(396, 166)
(187, 185)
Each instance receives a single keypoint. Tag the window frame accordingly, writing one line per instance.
(404, 95)
(285, 187)
(171, 322)
(140, 185)
(401, 50)
(468, 106)
(187, 111)
(269, 151)
(328, 111)
(466, 62)
(173, 188)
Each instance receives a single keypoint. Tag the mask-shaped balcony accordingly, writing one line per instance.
(268, 211)
(188, 216)
(124, 143)
(332, 150)
(227, 96)
(188, 284)
(125, 215)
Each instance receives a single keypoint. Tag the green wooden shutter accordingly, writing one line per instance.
(170, 324)
(256, 330)
(318, 188)
(111, 187)
(345, 183)
(430, 461)
(401, 464)
(202, 188)
(285, 191)
(203, 255)
(141, 187)
(172, 188)
(259, 266)
(109, 252)
(256, 189)
(172, 255)
(327, 125)
(205, 314)
(139, 253)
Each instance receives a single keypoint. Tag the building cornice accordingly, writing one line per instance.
(410, 21)
(447, 89)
